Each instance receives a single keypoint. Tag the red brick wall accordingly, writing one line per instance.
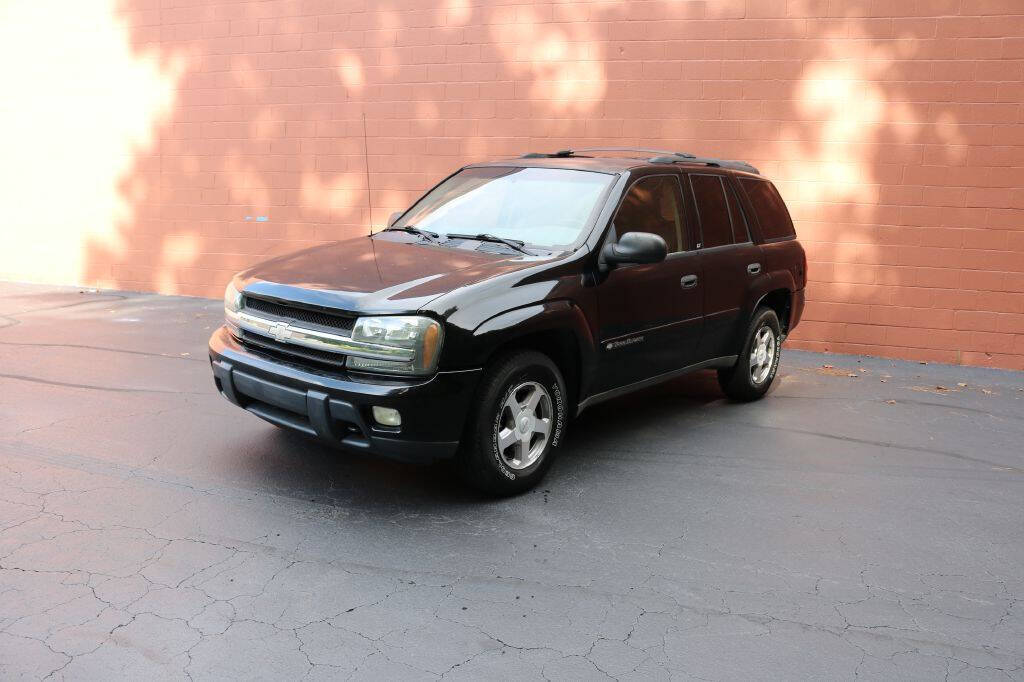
(894, 130)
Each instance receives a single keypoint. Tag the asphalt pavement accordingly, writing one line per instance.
(866, 519)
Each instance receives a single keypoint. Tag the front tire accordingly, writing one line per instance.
(513, 434)
(754, 371)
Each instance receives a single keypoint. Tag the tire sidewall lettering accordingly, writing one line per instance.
(495, 428)
(775, 360)
(559, 408)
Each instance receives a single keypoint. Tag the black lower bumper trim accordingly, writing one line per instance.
(339, 417)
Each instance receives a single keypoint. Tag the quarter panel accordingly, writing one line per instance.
(780, 279)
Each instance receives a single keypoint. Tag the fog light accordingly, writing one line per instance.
(386, 416)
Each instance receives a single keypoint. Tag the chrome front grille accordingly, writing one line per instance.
(290, 313)
(285, 351)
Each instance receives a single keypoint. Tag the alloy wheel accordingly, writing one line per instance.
(524, 425)
(762, 355)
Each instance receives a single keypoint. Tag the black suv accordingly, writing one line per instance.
(512, 296)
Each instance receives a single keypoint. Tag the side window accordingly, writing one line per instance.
(740, 229)
(712, 209)
(772, 214)
(653, 204)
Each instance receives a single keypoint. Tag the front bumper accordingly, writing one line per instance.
(337, 407)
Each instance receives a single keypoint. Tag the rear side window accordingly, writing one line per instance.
(740, 230)
(713, 210)
(772, 214)
(653, 204)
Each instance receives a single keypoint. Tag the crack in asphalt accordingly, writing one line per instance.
(881, 444)
(109, 349)
(92, 387)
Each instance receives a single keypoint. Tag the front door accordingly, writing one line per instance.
(650, 315)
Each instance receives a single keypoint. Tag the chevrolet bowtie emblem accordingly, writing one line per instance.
(280, 331)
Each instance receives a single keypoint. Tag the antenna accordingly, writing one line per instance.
(366, 162)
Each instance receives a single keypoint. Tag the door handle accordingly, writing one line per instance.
(688, 281)
(754, 268)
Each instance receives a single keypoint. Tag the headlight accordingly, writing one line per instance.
(421, 335)
(232, 306)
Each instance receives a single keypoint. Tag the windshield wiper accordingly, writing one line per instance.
(411, 229)
(485, 237)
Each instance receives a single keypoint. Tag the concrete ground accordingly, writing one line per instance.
(858, 522)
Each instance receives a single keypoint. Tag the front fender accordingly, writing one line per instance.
(553, 316)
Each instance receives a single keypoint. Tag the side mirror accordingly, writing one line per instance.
(394, 217)
(635, 247)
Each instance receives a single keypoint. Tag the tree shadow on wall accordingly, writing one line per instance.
(262, 149)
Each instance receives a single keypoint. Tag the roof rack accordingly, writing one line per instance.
(565, 153)
(661, 156)
(560, 154)
(707, 161)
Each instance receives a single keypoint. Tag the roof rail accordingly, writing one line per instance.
(718, 163)
(633, 149)
(560, 154)
(563, 153)
(661, 156)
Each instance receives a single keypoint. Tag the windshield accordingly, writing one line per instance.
(546, 207)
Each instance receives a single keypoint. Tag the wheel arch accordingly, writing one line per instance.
(773, 289)
(557, 329)
(781, 301)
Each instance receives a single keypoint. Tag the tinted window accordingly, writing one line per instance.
(740, 230)
(653, 204)
(713, 210)
(772, 215)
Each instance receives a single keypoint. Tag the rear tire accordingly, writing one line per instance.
(517, 425)
(754, 371)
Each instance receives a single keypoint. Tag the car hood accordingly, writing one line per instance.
(392, 274)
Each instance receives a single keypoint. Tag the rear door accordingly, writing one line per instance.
(779, 247)
(730, 260)
(649, 316)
